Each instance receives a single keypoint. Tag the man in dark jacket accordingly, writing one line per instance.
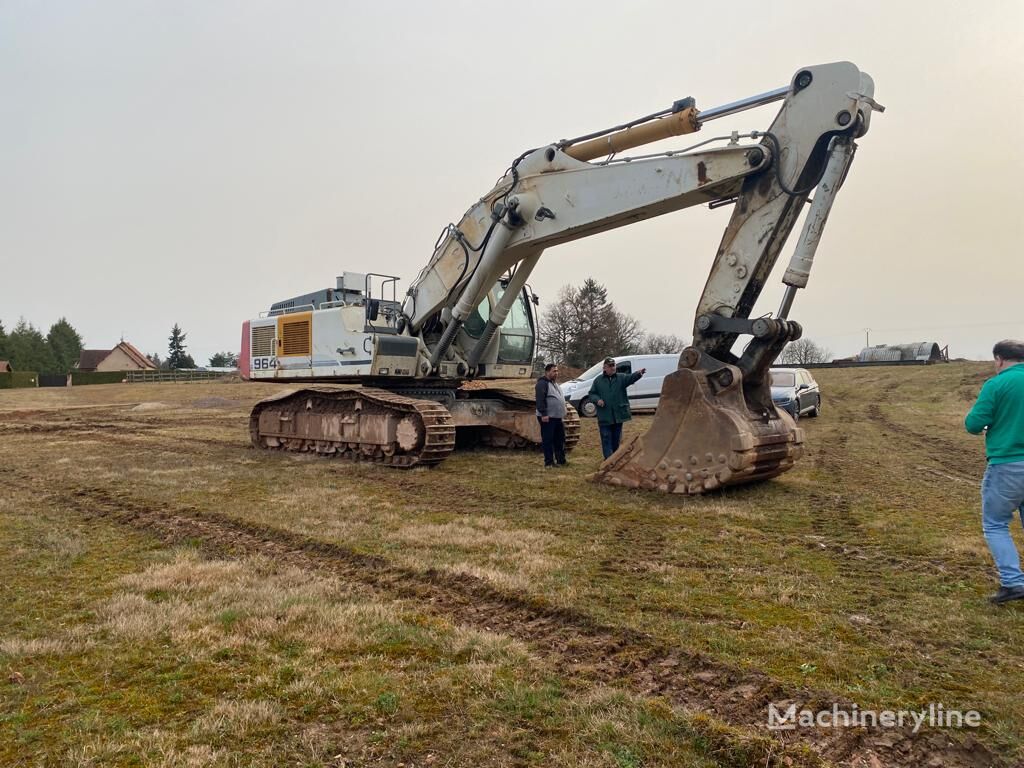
(551, 415)
(608, 393)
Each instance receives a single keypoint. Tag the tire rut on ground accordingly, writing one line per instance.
(131, 434)
(836, 525)
(946, 454)
(634, 548)
(576, 645)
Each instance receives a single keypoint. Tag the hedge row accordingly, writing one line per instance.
(18, 379)
(78, 378)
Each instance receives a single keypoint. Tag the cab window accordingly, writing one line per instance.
(517, 338)
(475, 323)
(516, 342)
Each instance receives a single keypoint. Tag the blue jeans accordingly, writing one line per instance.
(1002, 494)
(611, 434)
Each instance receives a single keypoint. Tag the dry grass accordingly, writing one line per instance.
(862, 573)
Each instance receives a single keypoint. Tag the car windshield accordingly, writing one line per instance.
(591, 372)
(783, 379)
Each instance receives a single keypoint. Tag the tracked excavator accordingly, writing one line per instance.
(469, 314)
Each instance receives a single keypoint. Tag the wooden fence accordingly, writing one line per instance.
(148, 377)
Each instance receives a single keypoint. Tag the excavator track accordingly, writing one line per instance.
(356, 424)
(522, 405)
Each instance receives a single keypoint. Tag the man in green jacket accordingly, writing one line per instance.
(999, 412)
(608, 393)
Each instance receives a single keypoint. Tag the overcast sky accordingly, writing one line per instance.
(192, 162)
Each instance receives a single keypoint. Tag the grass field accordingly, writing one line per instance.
(173, 597)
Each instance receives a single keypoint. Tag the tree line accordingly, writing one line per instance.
(27, 349)
(583, 326)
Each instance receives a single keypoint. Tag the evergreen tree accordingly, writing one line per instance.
(177, 358)
(28, 350)
(3, 342)
(154, 359)
(597, 325)
(65, 344)
(224, 360)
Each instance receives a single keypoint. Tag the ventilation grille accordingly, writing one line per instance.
(296, 338)
(263, 341)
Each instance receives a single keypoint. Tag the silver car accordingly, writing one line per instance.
(795, 391)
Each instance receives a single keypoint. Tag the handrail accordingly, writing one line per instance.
(285, 311)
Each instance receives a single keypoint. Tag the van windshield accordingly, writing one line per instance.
(591, 372)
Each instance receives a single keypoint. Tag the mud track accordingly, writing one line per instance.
(949, 456)
(634, 548)
(71, 427)
(130, 433)
(837, 528)
(575, 645)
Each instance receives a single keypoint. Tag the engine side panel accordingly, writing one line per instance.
(325, 344)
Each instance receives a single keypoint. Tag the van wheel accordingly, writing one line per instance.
(586, 409)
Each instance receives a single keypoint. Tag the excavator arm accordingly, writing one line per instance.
(716, 424)
(552, 195)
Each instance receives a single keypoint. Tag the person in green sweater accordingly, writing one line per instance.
(999, 413)
(608, 393)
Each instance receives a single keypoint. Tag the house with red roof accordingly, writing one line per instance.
(123, 357)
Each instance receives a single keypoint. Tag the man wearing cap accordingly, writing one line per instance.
(608, 393)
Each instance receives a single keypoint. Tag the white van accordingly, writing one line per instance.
(643, 395)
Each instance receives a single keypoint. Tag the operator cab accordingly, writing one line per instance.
(517, 334)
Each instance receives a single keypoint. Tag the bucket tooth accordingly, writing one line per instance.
(705, 436)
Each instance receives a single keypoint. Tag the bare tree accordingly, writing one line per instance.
(559, 327)
(627, 333)
(661, 344)
(804, 352)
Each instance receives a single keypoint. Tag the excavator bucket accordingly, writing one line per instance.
(706, 435)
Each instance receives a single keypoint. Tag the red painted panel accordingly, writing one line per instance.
(244, 358)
